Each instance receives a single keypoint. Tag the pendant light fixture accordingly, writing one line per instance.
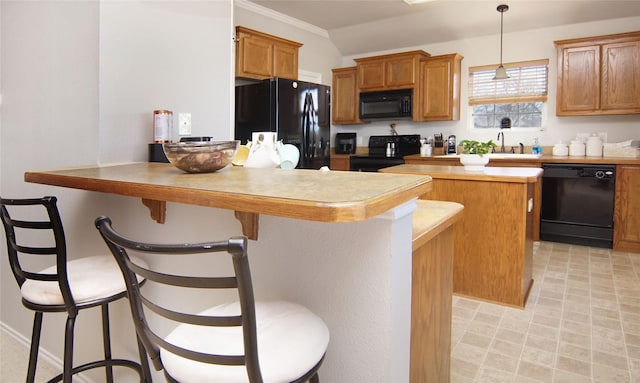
(501, 73)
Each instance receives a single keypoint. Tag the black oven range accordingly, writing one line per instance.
(385, 151)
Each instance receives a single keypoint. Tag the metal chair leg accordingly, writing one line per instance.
(106, 341)
(144, 363)
(67, 371)
(314, 378)
(35, 345)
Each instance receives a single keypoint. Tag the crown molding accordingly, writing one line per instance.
(253, 7)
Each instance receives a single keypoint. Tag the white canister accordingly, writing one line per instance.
(576, 148)
(162, 126)
(594, 146)
(560, 150)
(426, 150)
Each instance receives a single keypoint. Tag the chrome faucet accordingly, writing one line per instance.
(502, 143)
(393, 129)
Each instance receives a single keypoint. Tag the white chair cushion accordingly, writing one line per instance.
(90, 278)
(291, 341)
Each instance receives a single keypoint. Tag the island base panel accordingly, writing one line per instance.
(431, 301)
(494, 239)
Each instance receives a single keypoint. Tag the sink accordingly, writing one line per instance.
(498, 155)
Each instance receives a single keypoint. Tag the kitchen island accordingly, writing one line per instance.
(494, 246)
(355, 265)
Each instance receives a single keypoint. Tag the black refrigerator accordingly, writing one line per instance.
(298, 111)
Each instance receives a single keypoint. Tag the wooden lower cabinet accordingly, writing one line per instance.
(626, 225)
(339, 162)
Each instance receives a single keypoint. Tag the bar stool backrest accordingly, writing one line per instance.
(146, 307)
(19, 225)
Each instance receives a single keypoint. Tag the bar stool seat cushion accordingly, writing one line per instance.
(291, 341)
(90, 278)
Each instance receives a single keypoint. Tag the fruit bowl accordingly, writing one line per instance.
(200, 156)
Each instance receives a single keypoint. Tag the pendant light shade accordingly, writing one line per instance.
(501, 73)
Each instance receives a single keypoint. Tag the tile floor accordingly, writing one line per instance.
(581, 323)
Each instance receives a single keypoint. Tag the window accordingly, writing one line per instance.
(521, 97)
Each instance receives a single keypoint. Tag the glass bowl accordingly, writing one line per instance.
(200, 156)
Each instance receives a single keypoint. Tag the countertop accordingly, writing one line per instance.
(545, 158)
(332, 196)
(431, 218)
(501, 174)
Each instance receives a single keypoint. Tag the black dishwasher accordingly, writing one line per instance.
(577, 204)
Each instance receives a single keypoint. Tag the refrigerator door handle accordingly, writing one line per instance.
(307, 124)
(304, 143)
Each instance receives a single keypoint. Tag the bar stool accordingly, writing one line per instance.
(67, 286)
(241, 341)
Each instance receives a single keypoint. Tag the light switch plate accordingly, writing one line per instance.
(184, 124)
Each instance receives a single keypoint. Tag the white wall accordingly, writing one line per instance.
(162, 55)
(80, 80)
(49, 117)
(527, 45)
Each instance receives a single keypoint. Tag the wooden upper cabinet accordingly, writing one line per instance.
(371, 75)
(285, 61)
(401, 71)
(261, 56)
(580, 76)
(439, 91)
(393, 71)
(599, 75)
(254, 58)
(621, 75)
(435, 82)
(344, 98)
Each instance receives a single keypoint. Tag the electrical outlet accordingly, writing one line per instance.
(184, 124)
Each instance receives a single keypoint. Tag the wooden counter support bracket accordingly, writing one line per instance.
(158, 209)
(249, 222)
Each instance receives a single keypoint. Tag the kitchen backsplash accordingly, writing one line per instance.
(611, 129)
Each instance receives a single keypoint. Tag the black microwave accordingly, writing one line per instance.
(389, 104)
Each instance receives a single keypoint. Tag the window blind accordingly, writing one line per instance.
(527, 82)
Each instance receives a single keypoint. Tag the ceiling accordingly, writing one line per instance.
(362, 26)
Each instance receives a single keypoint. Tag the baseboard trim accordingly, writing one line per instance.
(43, 354)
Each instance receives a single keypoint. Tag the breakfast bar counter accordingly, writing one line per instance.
(358, 249)
(302, 194)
